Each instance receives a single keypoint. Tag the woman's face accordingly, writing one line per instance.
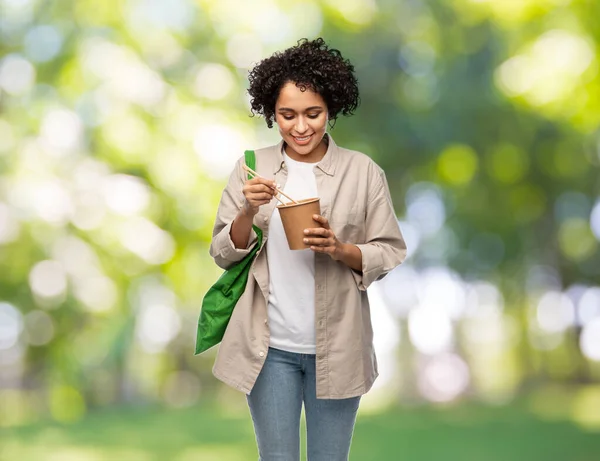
(302, 120)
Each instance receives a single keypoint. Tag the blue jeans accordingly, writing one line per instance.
(287, 379)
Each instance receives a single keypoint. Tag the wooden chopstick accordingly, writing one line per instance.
(254, 173)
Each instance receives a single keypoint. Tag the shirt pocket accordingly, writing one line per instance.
(348, 226)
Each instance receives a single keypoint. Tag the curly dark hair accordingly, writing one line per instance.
(309, 64)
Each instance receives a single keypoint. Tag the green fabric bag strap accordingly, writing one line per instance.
(250, 158)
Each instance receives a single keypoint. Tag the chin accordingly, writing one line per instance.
(306, 149)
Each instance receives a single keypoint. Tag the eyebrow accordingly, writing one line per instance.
(287, 109)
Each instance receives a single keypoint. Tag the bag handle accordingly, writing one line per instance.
(250, 161)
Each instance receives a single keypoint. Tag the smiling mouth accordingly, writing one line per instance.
(302, 139)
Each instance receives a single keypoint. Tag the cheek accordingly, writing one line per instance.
(283, 124)
(321, 125)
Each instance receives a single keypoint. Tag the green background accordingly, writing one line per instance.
(119, 124)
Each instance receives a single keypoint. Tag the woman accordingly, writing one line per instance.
(301, 333)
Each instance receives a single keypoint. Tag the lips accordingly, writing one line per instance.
(302, 141)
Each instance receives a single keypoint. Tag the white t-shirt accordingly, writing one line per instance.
(291, 304)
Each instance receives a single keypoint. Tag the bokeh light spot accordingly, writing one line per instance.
(11, 325)
(17, 75)
(457, 164)
(572, 205)
(425, 208)
(549, 71)
(555, 312)
(144, 238)
(97, 293)
(527, 201)
(8, 139)
(307, 19)
(213, 81)
(67, 404)
(507, 164)
(219, 146)
(356, 12)
(585, 408)
(62, 130)
(589, 340)
(43, 43)
(576, 240)
(126, 195)
(430, 331)
(39, 328)
(244, 50)
(417, 58)
(444, 377)
(9, 226)
(156, 326)
(48, 279)
(595, 220)
(588, 307)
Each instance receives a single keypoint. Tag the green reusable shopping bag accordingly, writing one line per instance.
(221, 298)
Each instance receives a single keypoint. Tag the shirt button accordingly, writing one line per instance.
(266, 321)
(265, 219)
(261, 353)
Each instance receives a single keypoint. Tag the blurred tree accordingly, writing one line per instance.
(118, 127)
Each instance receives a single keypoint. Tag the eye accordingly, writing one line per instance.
(313, 116)
(288, 117)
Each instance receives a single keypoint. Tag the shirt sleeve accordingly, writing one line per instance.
(384, 246)
(222, 248)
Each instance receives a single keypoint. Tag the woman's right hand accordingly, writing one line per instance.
(257, 192)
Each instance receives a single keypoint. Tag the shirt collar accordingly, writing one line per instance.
(327, 163)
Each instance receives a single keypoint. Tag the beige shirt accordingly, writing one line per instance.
(355, 198)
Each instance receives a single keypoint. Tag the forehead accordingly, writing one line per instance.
(294, 98)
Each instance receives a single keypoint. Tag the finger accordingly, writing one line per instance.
(268, 182)
(258, 194)
(262, 195)
(260, 188)
(257, 180)
(257, 203)
(264, 181)
(317, 231)
(318, 249)
(321, 220)
(321, 242)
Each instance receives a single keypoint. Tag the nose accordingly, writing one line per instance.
(301, 125)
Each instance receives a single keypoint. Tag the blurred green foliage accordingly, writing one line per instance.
(120, 121)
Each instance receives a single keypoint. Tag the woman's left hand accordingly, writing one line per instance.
(322, 239)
